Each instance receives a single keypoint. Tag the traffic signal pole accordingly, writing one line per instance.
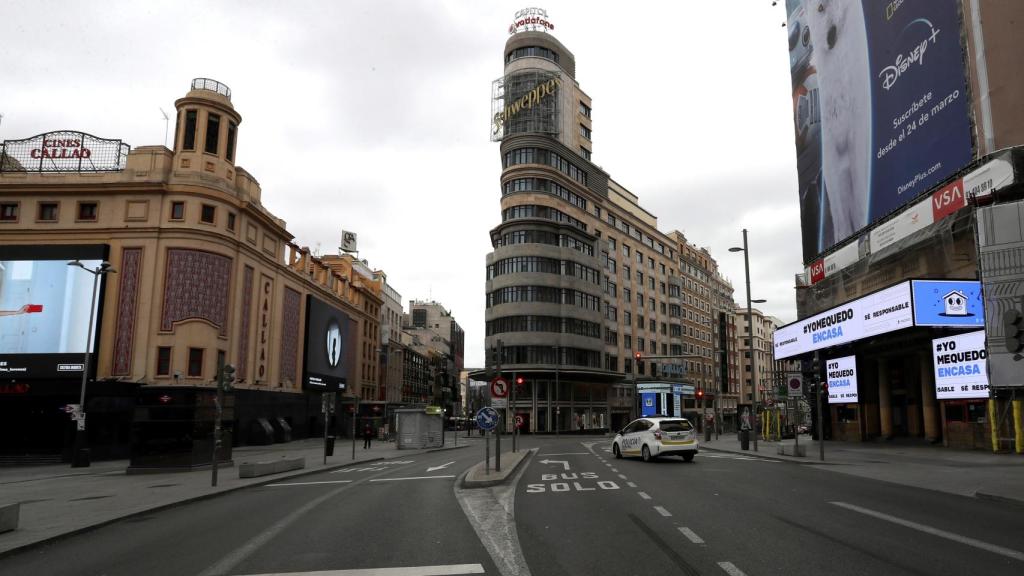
(225, 377)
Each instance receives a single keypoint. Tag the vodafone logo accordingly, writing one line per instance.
(817, 271)
(948, 199)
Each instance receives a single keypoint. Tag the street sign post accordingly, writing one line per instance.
(795, 387)
(499, 388)
(487, 420)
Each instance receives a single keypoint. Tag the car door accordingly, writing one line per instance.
(631, 438)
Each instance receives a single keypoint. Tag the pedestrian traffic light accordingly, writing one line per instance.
(1013, 327)
(227, 378)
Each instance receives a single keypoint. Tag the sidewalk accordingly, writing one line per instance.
(973, 473)
(57, 500)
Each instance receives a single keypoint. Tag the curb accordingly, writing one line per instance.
(471, 484)
(998, 498)
(197, 498)
(751, 453)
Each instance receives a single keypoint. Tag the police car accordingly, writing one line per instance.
(656, 436)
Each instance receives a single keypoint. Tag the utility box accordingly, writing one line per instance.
(417, 429)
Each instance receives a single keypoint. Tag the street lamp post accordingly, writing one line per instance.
(750, 329)
(558, 411)
(80, 457)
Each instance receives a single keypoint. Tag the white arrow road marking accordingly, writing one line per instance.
(450, 570)
(1009, 553)
(432, 468)
(562, 462)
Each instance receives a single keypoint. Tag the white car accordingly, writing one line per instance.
(656, 436)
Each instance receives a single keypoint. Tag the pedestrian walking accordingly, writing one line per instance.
(367, 435)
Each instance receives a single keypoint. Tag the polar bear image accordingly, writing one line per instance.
(840, 57)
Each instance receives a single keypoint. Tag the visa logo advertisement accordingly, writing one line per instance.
(948, 303)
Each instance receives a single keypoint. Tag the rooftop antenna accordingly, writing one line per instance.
(167, 122)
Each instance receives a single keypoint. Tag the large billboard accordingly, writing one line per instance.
(841, 375)
(953, 303)
(329, 347)
(881, 109)
(525, 101)
(44, 310)
(961, 369)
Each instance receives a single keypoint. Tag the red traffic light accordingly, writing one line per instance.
(636, 355)
(700, 393)
(519, 380)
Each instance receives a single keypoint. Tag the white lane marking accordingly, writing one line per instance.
(623, 476)
(738, 457)
(643, 495)
(614, 470)
(562, 462)
(309, 483)
(691, 535)
(346, 470)
(661, 510)
(432, 468)
(1008, 552)
(731, 569)
(410, 478)
(567, 454)
(630, 484)
(449, 570)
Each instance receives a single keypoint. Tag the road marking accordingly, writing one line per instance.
(449, 570)
(738, 457)
(432, 468)
(1009, 553)
(410, 478)
(661, 510)
(562, 462)
(691, 535)
(568, 454)
(346, 470)
(614, 470)
(309, 483)
(731, 569)
(630, 484)
(623, 476)
(643, 495)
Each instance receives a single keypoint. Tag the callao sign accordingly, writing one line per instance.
(61, 149)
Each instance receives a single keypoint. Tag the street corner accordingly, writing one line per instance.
(480, 475)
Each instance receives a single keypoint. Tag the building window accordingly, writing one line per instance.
(231, 222)
(586, 154)
(232, 129)
(177, 210)
(212, 133)
(209, 214)
(195, 362)
(87, 211)
(190, 130)
(585, 132)
(48, 211)
(584, 109)
(163, 361)
(9, 212)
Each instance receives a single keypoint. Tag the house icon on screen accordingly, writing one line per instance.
(955, 304)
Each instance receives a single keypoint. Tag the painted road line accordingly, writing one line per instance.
(410, 478)
(309, 483)
(643, 495)
(731, 569)
(449, 570)
(567, 454)
(623, 476)
(1008, 552)
(630, 484)
(661, 510)
(691, 535)
(614, 470)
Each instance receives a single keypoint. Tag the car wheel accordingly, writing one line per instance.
(645, 453)
(616, 451)
(688, 457)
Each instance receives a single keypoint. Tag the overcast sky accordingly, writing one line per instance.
(373, 116)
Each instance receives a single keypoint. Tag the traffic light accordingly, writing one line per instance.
(227, 378)
(637, 355)
(1013, 326)
(520, 381)
(700, 394)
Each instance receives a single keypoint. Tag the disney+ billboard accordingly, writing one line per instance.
(881, 109)
(329, 347)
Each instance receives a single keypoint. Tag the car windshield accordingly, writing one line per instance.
(676, 426)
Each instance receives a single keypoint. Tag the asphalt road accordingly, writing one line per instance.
(575, 509)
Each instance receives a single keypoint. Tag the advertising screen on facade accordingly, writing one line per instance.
(525, 101)
(881, 109)
(841, 374)
(961, 366)
(948, 303)
(329, 345)
(44, 310)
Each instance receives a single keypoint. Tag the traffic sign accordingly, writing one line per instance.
(499, 387)
(796, 387)
(519, 421)
(499, 402)
(487, 418)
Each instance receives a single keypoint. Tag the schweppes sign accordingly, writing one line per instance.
(528, 100)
